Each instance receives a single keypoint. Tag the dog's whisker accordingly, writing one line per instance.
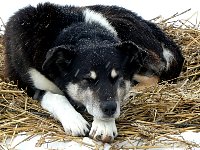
(75, 75)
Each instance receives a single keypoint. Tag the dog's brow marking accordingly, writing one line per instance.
(114, 73)
(92, 16)
(93, 75)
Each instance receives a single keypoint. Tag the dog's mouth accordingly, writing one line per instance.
(107, 118)
(104, 118)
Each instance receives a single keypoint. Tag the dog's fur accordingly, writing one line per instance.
(86, 56)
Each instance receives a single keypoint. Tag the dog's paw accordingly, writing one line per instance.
(75, 125)
(72, 121)
(104, 131)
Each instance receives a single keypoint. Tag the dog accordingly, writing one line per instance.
(69, 57)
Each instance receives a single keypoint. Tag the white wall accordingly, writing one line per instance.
(146, 8)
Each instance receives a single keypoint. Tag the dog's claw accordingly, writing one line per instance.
(107, 139)
(98, 137)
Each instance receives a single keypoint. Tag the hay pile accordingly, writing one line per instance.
(154, 113)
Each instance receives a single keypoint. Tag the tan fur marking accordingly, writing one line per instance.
(113, 73)
(93, 75)
(144, 81)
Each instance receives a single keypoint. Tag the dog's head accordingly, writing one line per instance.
(96, 76)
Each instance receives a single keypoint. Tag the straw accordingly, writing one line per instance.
(168, 108)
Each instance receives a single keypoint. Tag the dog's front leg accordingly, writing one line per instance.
(72, 121)
(103, 130)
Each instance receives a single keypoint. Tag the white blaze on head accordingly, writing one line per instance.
(114, 73)
(93, 75)
(94, 17)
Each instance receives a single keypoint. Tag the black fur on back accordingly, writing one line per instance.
(32, 31)
(146, 34)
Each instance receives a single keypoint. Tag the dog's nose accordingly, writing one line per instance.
(109, 107)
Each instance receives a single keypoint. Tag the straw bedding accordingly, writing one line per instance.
(169, 108)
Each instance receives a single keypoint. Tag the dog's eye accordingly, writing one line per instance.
(113, 80)
(91, 77)
(90, 80)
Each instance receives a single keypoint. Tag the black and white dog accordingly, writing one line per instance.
(86, 56)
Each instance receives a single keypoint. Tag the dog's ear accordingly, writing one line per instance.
(134, 53)
(58, 56)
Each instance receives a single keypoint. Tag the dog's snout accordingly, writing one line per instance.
(109, 107)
